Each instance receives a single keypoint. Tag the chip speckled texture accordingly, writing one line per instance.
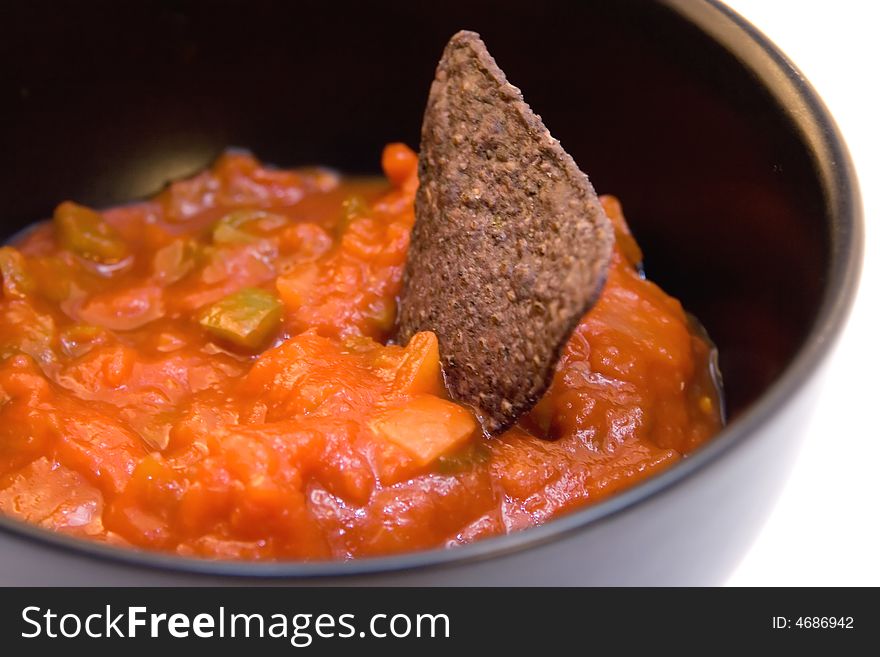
(511, 245)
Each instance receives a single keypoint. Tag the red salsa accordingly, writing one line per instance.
(207, 373)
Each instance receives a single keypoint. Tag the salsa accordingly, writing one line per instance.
(208, 373)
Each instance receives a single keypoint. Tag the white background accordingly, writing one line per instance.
(825, 529)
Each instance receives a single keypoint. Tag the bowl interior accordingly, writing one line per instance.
(103, 102)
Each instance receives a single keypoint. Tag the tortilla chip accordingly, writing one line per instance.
(511, 245)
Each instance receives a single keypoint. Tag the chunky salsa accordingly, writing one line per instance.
(207, 373)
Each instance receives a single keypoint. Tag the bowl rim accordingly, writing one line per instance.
(834, 168)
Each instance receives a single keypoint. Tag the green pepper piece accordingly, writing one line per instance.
(233, 228)
(465, 459)
(84, 232)
(80, 339)
(175, 260)
(246, 318)
(228, 229)
(354, 207)
(17, 282)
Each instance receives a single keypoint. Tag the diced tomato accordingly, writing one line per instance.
(419, 370)
(425, 426)
(399, 162)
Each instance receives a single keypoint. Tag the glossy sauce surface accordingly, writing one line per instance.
(207, 373)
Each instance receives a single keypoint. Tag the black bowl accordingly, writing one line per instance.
(732, 174)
